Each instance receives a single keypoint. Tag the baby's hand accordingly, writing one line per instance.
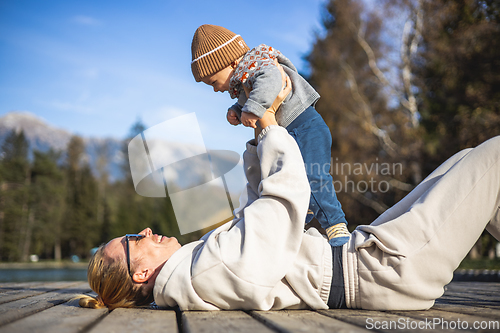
(232, 118)
(249, 119)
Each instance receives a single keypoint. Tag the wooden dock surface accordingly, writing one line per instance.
(47, 307)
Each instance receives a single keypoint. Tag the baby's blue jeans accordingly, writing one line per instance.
(314, 140)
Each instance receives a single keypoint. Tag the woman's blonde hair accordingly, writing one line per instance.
(112, 283)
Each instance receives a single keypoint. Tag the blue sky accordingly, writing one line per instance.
(95, 67)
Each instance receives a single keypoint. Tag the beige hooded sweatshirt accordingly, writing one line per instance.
(263, 259)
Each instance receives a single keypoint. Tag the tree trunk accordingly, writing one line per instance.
(27, 237)
(57, 250)
(474, 252)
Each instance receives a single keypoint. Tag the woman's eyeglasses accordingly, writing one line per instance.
(135, 237)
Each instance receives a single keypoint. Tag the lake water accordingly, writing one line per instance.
(43, 274)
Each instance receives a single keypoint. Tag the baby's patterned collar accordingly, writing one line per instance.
(252, 61)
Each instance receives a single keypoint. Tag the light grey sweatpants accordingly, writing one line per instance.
(405, 257)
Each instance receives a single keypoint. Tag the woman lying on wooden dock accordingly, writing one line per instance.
(264, 260)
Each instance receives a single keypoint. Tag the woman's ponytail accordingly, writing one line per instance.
(91, 302)
(112, 283)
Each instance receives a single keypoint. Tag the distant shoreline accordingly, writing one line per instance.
(43, 265)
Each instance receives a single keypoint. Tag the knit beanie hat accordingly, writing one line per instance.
(214, 48)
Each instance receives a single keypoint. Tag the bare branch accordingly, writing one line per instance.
(372, 62)
(418, 29)
(368, 120)
(400, 185)
(408, 51)
(379, 207)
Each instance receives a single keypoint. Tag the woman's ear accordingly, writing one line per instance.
(143, 275)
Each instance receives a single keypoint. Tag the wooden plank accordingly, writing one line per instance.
(221, 321)
(473, 296)
(137, 320)
(441, 320)
(488, 300)
(68, 317)
(475, 289)
(488, 286)
(468, 301)
(470, 310)
(378, 321)
(15, 310)
(33, 290)
(42, 307)
(303, 321)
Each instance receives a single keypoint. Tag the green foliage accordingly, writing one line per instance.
(484, 263)
(460, 68)
(47, 201)
(58, 209)
(15, 180)
(15, 158)
(54, 206)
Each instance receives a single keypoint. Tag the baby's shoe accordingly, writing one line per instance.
(338, 234)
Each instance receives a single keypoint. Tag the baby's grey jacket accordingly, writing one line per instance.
(266, 85)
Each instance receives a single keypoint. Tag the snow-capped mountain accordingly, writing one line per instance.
(181, 167)
(43, 136)
(182, 173)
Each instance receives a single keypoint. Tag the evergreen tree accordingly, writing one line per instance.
(15, 180)
(48, 194)
(103, 209)
(135, 212)
(80, 226)
(128, 202)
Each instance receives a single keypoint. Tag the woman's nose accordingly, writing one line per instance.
(147, 232)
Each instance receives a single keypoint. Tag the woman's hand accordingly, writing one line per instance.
(249, 119)
(285, 90)
(269, 117)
